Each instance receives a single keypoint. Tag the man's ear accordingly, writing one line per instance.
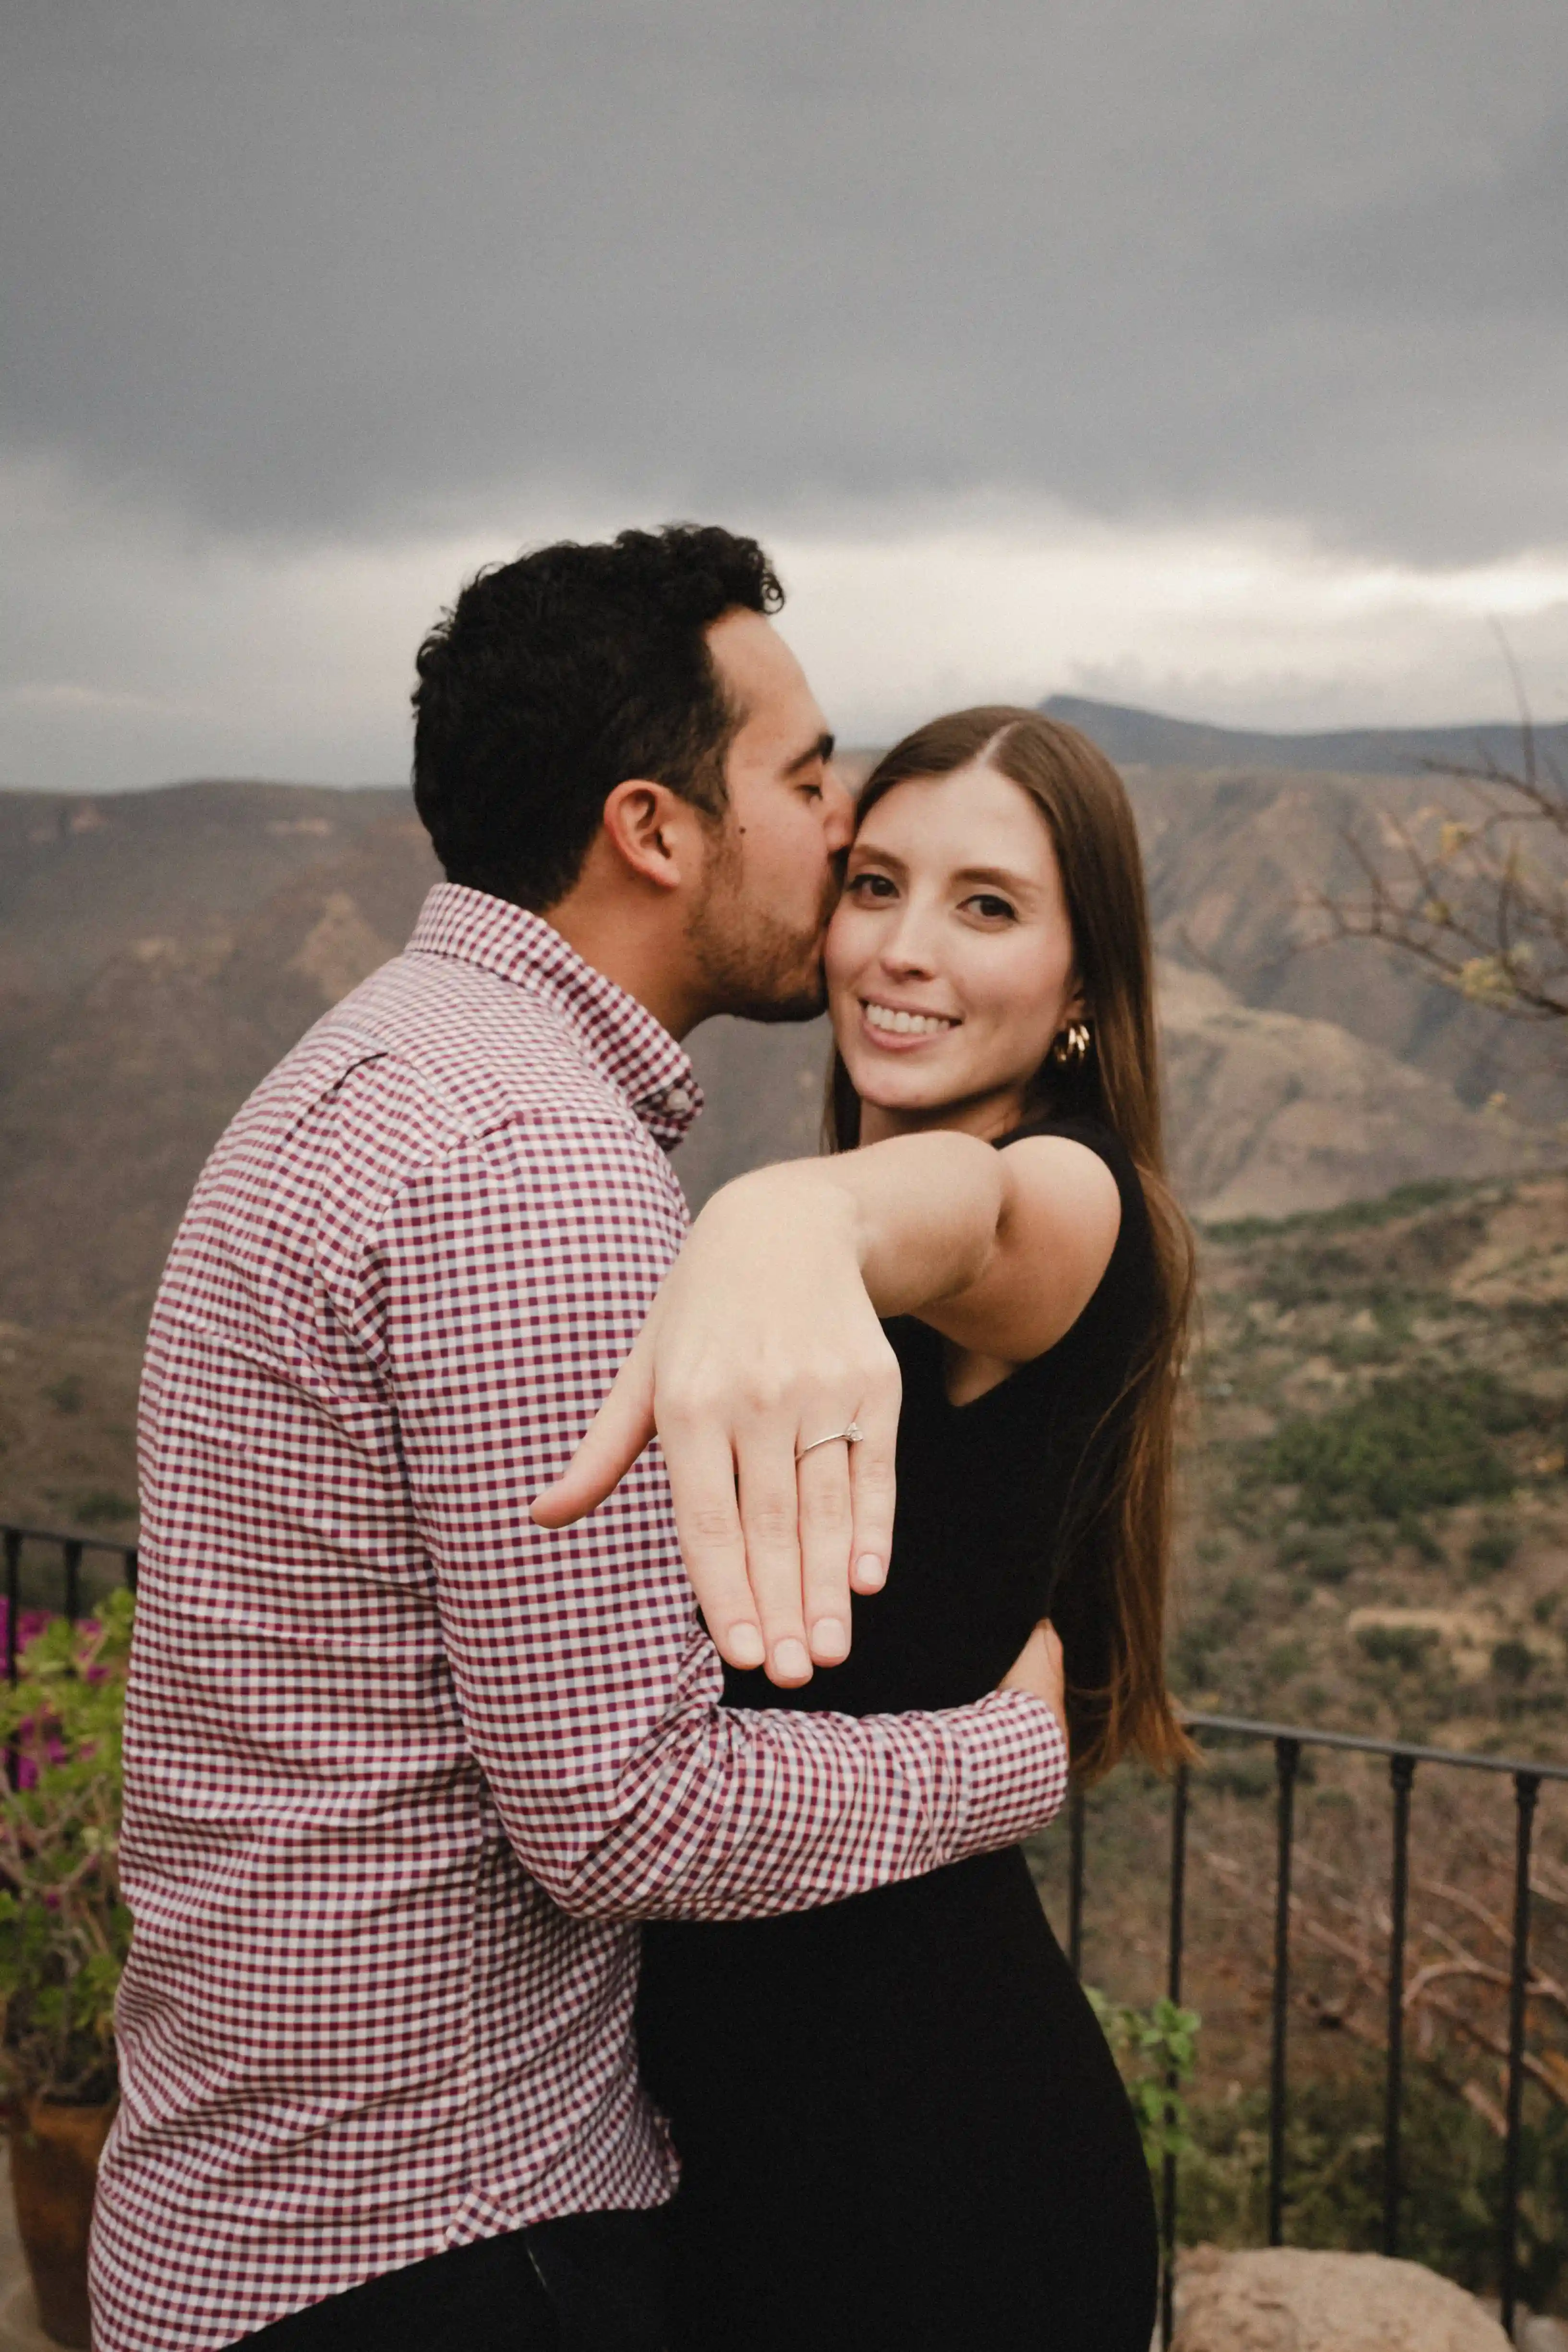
(652, 832)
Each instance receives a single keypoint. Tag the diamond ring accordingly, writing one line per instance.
(852, 1434)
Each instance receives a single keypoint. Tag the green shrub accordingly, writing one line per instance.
(1323, 1552)
(1396, 1645)
(1493, 1548)
(1156, 2051)
(1415, 1531)
(102, 1507)
(1199, 1641)
(1412, 1443)
(1351, 1216)
(1353, 1352)
(1512, 1662)
(1239, 1771)
(1285, 1661)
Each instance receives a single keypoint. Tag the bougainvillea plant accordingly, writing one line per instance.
(64, 1931)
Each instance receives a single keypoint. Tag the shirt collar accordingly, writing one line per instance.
(618, 1037)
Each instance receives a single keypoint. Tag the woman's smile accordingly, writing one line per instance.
(898, 1028)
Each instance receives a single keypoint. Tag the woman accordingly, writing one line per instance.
(934, 2149)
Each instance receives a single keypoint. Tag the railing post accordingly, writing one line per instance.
(12, 1597)
(12, 1610)
(1402, 1774)
(1526, 1789)
(1174, 1990)
(133, 1561)
(1287, 1763)
(71, 1549)
(1075, 1877)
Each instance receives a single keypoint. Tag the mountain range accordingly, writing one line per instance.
(1150, 740)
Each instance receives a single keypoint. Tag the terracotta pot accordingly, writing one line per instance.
(55, 2150)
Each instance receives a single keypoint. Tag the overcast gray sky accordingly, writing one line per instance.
(1213, 355)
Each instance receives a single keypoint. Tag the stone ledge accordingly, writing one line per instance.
(1290, 2299)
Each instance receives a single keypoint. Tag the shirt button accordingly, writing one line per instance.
(677, 1101)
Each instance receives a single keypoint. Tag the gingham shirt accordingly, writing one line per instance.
(402, 1770)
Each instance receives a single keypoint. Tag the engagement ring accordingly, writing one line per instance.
(851, 1435)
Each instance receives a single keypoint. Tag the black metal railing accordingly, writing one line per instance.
(70, 1551)
(1288, 1740)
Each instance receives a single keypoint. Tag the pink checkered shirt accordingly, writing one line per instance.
(402, 1770)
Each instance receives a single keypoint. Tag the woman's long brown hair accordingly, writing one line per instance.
(1109, 1604)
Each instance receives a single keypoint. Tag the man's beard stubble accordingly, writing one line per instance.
(755, 967)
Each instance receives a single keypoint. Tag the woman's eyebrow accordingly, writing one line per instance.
(883, 856)
(1019, 884)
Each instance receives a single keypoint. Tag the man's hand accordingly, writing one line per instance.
(1039, 1670)
(761, 1340)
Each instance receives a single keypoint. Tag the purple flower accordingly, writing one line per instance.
(30, 1623)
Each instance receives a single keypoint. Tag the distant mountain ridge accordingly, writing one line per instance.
(1148, 738)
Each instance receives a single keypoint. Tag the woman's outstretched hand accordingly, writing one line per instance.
(1039, 1670)
(761, 1340)
(764, 1339)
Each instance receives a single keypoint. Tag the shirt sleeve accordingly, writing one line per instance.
(507, 1286)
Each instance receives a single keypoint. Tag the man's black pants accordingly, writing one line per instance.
(589, 2283)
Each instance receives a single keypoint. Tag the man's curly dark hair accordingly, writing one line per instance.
(556, 677)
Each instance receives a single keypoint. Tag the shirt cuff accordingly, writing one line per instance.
(1010, 1772)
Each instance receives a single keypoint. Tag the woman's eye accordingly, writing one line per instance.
(871, 886)
(991, 908)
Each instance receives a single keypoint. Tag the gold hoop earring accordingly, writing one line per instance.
(1070, 1049)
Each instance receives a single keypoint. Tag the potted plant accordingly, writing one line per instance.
(64, 1935)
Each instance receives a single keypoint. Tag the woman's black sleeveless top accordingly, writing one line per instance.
(897, 2118)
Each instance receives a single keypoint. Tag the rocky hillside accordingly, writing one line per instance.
(1273, 1111)
(160, 951)
(1235, 860)
(1378, 1508)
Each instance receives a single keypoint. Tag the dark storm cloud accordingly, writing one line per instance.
(353, 265)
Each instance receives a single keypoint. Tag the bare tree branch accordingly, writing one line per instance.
(1473, 886)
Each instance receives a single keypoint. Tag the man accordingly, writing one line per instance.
(403, 1768)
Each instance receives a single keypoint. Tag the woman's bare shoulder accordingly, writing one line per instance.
(1060, 1218)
